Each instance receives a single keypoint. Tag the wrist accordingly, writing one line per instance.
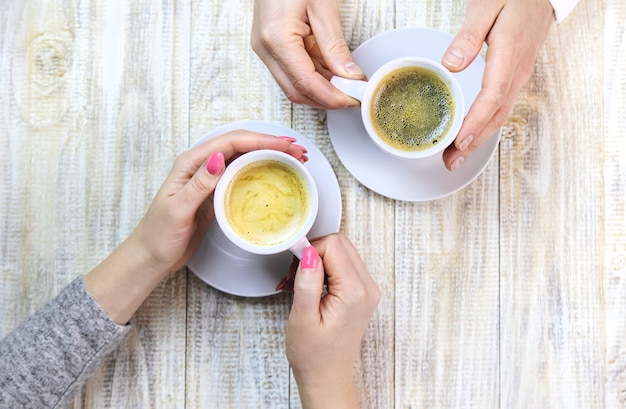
(122, 281)
(136, 254)
(327, 389)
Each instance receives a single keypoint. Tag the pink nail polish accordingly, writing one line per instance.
(288, 138)
(215, 164)
(310, 258)
(302, 148)
(281, 284)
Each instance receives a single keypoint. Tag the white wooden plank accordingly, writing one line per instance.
(553, 271)
(614, 197)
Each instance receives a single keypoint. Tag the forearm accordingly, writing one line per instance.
(123, 281)
(51, 355)
(338, 392)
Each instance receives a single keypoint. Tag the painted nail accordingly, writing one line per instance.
(454, 58)
(288, 138)
(302, 148)
(456, 163)
(466, 142)
(310, 258)
(281, 284)
(353, 69)
(304, 159)
(215, 164)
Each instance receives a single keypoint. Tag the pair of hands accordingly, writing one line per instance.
(302, 44)
(323, 334)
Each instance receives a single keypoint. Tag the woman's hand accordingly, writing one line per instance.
(514, 30)
(175, 223)
(302, 44)
(323, 336)
(180, 213)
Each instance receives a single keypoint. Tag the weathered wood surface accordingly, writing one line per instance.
(508, 294)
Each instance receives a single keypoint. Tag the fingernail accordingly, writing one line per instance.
(215, 164)
(302, 148)
(355, 103)
(456, 163)
(304, 159)
(353, 69)
(466, 142)
(288, 138)
(310, 258)
(281, 284)
(454, 58)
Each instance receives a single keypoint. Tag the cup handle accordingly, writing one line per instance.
(298, 248)
(353, 88)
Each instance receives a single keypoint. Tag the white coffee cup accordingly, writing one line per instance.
(296, 240)
(364, 91)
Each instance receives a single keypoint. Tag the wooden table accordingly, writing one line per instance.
(507, 294)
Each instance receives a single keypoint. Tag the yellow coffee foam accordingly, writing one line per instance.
(412, 109)
(266, 202)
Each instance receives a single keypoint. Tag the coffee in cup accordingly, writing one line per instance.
(411, 107)
(266, 202)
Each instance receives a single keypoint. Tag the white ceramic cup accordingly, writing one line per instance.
(298, 241)
(364, 91)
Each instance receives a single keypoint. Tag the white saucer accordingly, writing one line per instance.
(225, 266)
(411, 180)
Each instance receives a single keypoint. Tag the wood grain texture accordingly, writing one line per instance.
(552, 232)
(614, 174)
(447, 306)
(507, 294)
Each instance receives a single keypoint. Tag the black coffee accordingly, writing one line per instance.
(412, 109)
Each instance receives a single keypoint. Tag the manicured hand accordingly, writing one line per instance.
(323, 336)
(181, 211)
(302, 44)
(514, 31)
(174, 224)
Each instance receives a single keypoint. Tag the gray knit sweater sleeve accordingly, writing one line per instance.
(45, 361)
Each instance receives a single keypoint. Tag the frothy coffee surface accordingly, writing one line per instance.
(266, 202)
(412, 109)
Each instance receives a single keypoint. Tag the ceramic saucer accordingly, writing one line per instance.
(225, 266)
(410, 180)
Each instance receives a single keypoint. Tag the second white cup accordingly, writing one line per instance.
(411, 107)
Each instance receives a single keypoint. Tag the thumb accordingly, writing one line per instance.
(328, 34)
(308, 286)
(480, 17)
(203, 182)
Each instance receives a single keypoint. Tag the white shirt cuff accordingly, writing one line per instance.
(562, 8)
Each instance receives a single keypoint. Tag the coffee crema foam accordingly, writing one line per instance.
(266, 202)
(412, 109)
